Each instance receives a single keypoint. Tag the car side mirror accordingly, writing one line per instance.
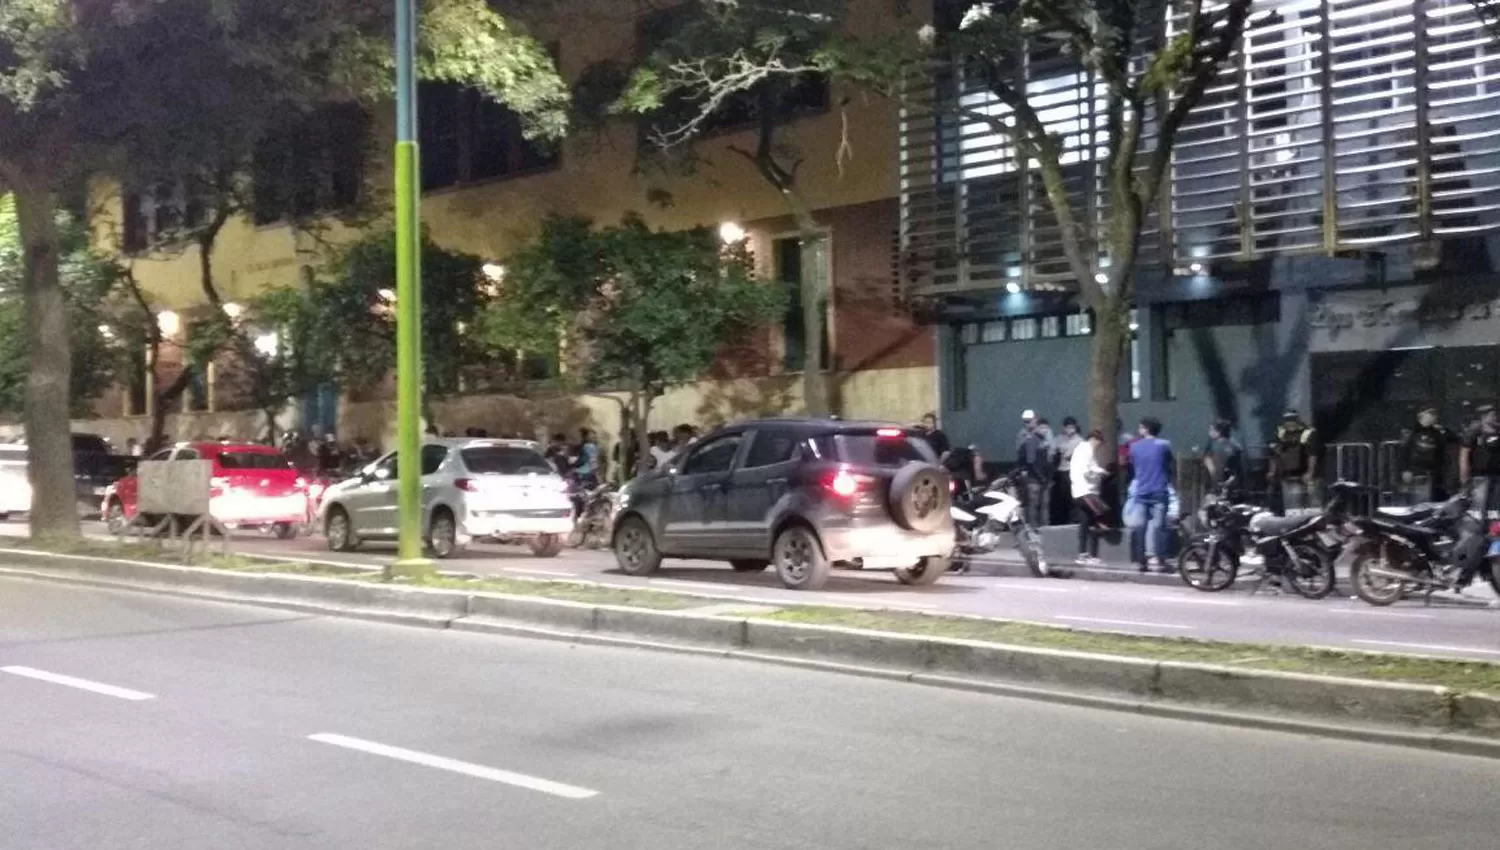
(380, 474)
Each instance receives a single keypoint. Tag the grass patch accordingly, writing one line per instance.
(592, 594)
(1456, 674)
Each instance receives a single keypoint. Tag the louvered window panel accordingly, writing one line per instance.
(1336, 125)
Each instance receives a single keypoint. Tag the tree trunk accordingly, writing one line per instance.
(814, 377)
(162, 404)
(643, 434)
(54, 501)
(1111, 335)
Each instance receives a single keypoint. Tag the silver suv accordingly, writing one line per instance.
(798, 494)
(501, 490)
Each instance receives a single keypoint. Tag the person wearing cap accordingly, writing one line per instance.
(1028, 425)
(1424, 457)
(1294, 462)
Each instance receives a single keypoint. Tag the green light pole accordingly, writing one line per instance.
(408, 300)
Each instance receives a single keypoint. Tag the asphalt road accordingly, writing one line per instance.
(1340, 621)
(134, 721)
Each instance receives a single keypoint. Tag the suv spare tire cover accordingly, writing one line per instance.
(920, 498)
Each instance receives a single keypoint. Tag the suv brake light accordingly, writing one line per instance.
(466, 485)
(846, 484)
(890, 432)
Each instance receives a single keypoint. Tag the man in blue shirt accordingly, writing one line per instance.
(1151, 458)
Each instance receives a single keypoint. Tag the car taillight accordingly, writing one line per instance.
(846, 484)
(466, 485)
(890, 432)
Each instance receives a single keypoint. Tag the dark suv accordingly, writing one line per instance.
(799, 494)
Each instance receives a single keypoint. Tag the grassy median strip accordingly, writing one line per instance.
(1456, 674)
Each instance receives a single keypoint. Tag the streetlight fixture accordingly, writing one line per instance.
(409, 560)
(732, 233)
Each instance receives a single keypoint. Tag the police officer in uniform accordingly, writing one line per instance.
(1479, 459)
(1294, 462)
(1424, 456)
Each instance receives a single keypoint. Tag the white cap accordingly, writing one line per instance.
(1028, 414)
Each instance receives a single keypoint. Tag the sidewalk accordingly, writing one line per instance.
(1060, 543)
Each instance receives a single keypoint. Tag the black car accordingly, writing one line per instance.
(799, 494)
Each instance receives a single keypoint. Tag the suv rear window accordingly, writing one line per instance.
(867, 448)
(90, 444)
(254, 460)
(505, 460)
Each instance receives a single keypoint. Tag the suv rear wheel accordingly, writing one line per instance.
(927, 571)
(799, 559)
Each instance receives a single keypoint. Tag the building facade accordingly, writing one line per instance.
(1326, 239)
(486, 189)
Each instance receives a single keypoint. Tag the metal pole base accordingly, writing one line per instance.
(411, 568)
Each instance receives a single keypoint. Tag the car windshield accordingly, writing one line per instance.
(868, 448)
(254, 460)
(505, 460)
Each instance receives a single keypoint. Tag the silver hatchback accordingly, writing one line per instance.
(500, 490)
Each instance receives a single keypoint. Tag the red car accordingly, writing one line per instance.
(253, 486)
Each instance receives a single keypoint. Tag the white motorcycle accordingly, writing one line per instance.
(983, 516)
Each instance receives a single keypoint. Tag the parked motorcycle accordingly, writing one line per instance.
(1296, 551)
(594, 518)
(983, 515)
(1424, 550)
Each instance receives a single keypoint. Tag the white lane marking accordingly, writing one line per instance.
(81, 684)
(1377, 612)
(532, 572)
(1125, 623)
(1428, 646)
(1193, 600)
(478, 771)
(703, 585)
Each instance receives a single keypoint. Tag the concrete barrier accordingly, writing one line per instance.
(1355, 700)
(551, 613)
(1057, 668)
(854, 645)
(678, 626)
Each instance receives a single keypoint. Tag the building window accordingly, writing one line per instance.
(1078, 324)
(161, 213)
(468, 137)
(1051, 327)
(313, 166)
(969, 334)
(792, 274)
(1134, 393)
(958, 369)
(1023, 329)
(992, 332)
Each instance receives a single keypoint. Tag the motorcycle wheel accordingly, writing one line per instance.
(1207, 568)
(1029, 544)
(1379, 591)
(1310, 573)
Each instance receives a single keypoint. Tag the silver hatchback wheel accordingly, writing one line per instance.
(442, 536)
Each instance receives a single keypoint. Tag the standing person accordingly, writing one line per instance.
(1223, 457)
(1028, 425)
(1063, 446)
(1151, 458)
(1479, 460)
(557, 454)
(966, 467)
(683, 436)
(1034, 460)
(1424, 459)
(661, 450)
(934, 436)
(1085, 474)
(132, 447)
(588, 463)
(1294, 462)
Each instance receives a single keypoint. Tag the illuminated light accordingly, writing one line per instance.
(387, 295)
(494, 271)
(1013, 288)
(732, 233)
(1101, 277)
(233, 310)
(890, 432)
(168, 322)
(1196, 268)
(268, 344)
(106, 331)
(844, 485)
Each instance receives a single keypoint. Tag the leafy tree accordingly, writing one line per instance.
(87, 87)
(90, 286)
(636, 309)
(750, 58)
(353, 307)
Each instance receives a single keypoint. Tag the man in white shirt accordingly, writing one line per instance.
(1084, 475)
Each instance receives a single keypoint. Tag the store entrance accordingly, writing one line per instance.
(1373, 396)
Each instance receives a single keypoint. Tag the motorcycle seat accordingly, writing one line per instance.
(1276, 526)
(1408, 516)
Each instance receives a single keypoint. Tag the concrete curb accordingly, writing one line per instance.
(1380, 712)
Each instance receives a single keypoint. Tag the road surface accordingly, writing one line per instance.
(135, 721)
(1172, 610)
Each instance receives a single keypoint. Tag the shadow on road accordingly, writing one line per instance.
(844, 581)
